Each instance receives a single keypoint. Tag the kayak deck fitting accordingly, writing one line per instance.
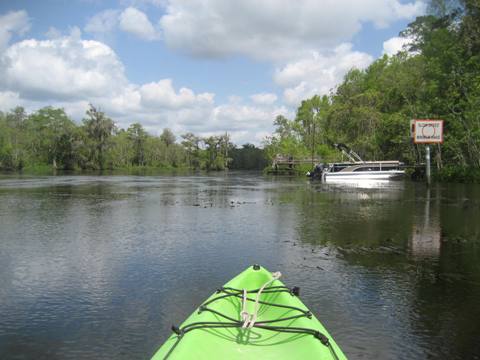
(253, 316)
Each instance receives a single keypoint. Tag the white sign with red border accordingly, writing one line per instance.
(427, 131)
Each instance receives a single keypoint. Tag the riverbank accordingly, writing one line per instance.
(448, 174)
(46, 170)
(467, 175)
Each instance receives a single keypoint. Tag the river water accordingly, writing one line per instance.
(99, 267)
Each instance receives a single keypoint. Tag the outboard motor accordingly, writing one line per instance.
(317, 172)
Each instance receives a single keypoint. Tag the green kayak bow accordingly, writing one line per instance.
(253, 316)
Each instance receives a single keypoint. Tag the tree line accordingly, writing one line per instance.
(436, 76)
(49, 137)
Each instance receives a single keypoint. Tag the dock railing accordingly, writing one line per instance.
(291, 162)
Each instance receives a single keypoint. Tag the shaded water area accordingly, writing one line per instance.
(99, 267)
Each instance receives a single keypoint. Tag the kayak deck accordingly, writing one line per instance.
(284, 328)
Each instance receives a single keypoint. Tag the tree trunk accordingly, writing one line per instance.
(438, 157)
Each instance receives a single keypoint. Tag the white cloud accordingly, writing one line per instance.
(130, 20)
(136, 22)
(241, 117)
(53, 33)
(264, 98)
(245, 123)
(69, 69)
(318, 73)
(161, 94)
(103, 22)
(9, 100)
(235, 99)
(395, 44)
(409, 10)
(273, 29)
(14, 22)
(61, 68)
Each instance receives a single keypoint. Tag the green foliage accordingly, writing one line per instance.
(248, 157)
(99, 129)
(137, 137)
(452, 173)
(286, 140)
(217, 150)
(52, 138)
(48, 139)
(312, 116)
(191, 144)
(167, 137)
(13, 154)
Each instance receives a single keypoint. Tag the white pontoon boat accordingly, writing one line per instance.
(357, 169)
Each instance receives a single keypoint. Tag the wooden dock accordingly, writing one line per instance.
(282, 164)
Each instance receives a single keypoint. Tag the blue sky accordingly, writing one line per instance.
(206, 66)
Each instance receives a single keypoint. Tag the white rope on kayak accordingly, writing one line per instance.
(250, 319)
(244, 313)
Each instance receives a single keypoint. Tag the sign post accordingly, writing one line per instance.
(427, 132)
(427, 158)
